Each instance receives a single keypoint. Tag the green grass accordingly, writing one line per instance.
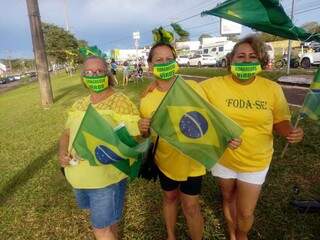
(212, 72)
(36, 202)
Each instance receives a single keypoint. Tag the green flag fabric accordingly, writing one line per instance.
(311, 105)
(192, 125)
(91, 51)
(99, 143)
(263, 15)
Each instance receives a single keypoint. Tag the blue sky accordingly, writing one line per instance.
(110, 23)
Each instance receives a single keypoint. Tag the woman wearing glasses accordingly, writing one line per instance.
(100, 189)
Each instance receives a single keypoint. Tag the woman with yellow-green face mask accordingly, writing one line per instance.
(101, 189)
(258, 105)
(180, 177)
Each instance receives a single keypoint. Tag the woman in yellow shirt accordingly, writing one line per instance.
(180, 177)
(258, 105)
(101, 189)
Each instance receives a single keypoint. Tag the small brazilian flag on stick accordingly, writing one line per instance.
(192, 125)
(311, 105)
(99, 143)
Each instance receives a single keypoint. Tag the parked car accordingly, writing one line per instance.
(17, 77)
(310, 58)
(223, 61)
(11, 78)
(3, 80)
(202, 60)
(182, 60)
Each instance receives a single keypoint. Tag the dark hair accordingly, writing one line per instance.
(151, 53)
(111, 80)
(257, 45)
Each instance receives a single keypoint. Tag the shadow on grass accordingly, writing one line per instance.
(23, 175)
(65, 91)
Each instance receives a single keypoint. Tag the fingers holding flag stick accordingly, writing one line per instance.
(295, 135)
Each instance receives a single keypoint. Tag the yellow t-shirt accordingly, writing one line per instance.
(255, 107)
(120, 109)
(170, 161)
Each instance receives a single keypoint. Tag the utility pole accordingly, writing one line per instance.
(289, 45)
(9, 60)
(39, 53)
(136, 37)
(66, 17)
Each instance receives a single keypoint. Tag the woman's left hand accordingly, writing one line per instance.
(295, 135)
(234, 143)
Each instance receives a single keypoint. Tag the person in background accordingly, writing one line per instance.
(114, 67)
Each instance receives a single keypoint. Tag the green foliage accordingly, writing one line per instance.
(61, 45)
(312, 27)
(266, 37)
(21, 65)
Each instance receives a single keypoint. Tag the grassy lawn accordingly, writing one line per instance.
(37, 203)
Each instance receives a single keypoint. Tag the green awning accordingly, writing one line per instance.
(262, 15)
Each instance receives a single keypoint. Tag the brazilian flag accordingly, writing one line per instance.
(311, 105)
(192, 125)
(99, 143)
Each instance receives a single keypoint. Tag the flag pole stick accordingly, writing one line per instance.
(287, 144)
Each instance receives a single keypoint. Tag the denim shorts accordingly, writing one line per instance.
(105, 204)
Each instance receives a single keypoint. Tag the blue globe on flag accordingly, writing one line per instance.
(105, 155)
(193, 124)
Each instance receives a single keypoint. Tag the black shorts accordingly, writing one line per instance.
(114, 72)
(192, 186)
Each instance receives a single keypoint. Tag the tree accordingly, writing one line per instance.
(183, 34)
(59, 42)
(204, 35)
(266, 37)
(312, 27)
(234, 38)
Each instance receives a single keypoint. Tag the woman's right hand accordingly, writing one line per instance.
(64, 159)
(144, 126)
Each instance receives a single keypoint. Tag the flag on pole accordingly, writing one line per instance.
(263, 15)
(311, 105)
(99, 143)
(192, 125)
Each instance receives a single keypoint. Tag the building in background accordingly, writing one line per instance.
(3, 69)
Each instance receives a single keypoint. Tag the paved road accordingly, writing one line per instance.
(8, 86)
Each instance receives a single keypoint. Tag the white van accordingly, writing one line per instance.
(219, 49)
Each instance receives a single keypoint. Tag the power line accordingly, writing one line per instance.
(202, 25)
(307, 10)
(193, 7)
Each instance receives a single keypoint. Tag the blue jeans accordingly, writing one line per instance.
(105, 204)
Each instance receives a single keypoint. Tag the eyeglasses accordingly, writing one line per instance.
(91, 73)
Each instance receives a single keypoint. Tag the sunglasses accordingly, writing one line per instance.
(97, 73)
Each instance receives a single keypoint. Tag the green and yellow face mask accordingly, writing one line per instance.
(245, 71)
(96, 83)
(165, 71)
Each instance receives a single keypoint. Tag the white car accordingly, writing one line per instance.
(182, 60)
(310, 58)
(202, 60)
